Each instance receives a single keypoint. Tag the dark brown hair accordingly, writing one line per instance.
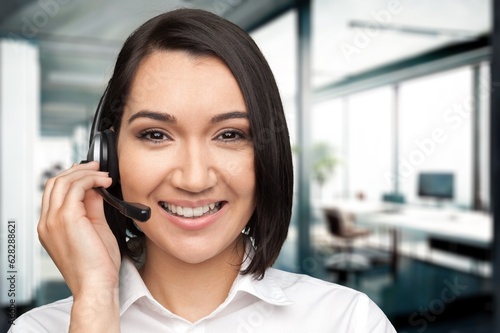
(202, 33)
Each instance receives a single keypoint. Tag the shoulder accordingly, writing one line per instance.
(343, 306)
(53, 317)
(294, 285)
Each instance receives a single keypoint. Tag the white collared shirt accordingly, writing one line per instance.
(280, 302)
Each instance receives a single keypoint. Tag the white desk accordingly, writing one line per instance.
(469, 227)
(463, 227)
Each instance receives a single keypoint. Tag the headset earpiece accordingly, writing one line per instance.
(112, 158)
(103, 150)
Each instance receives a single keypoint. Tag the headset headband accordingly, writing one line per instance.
(97, 118)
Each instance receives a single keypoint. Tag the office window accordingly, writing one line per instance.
(436, 131)
(369, 143)
(359, 128)
(328, 128)
(278, 42)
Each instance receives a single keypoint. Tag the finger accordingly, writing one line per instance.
(45, 198)
(50, 183)
(80, 191)
(94, 207)
(93, 165)
(51, 214)
(72, 211)
(56, 192)
(63, 183)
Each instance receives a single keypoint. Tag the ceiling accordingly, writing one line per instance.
(80, 39)
(356, 36)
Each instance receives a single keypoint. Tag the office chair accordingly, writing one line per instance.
(340, 226)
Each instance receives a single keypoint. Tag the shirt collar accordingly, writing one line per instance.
(132, 287)
(267, 288)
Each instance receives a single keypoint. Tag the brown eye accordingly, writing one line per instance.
(154, 136)
(232, 135)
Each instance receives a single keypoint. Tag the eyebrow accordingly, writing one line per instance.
(165, 117)
(229, 115)
(161, 116)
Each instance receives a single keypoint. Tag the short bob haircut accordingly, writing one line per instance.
(201, 33)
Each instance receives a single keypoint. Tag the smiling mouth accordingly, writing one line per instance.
(191, 212)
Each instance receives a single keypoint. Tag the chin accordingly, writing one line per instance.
(196, 254)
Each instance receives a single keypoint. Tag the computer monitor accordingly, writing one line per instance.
(437, 185)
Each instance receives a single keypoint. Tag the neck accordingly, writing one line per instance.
(191, 291)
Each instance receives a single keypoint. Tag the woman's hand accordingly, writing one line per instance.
(74, 231)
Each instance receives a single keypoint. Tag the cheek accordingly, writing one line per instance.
(128, 177)
(240, 174)
(137, 173)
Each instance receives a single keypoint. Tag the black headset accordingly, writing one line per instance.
(102, 148)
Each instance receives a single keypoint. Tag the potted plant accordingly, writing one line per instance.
(323, 164)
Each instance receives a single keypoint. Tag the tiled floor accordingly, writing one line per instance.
(421, 297)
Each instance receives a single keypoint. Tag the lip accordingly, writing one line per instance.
(193, 224)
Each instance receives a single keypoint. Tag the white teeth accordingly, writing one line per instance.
(187, 211)
(190, 211)
(198, 211)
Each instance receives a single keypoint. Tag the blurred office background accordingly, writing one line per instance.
(388, 105)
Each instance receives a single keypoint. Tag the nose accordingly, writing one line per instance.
(195, 171)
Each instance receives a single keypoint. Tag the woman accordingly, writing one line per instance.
(201, 139)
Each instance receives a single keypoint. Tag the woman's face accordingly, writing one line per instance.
(185, 150)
